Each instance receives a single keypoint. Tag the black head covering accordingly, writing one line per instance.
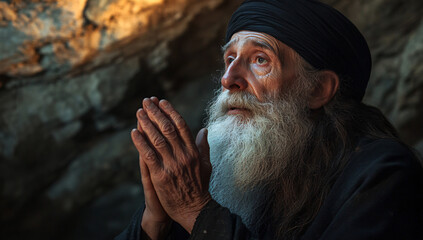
(317, 32)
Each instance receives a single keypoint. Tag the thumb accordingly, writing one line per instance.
(203, 145)
(204, 150)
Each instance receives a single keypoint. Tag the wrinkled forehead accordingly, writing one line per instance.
(254, 38)
(259, 40)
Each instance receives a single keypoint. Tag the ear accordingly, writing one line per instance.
(325, 89)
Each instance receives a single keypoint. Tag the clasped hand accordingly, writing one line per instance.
(175, 171)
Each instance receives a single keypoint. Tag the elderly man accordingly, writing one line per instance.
(295, 153)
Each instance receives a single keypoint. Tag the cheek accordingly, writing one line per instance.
(267, 80)
(260, 71)
(271, 83)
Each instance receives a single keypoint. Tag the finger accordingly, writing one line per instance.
(145, 176)
(202, 144)
(204, 148)
(149, 192)
(155, 100)
(145, 151)
(151, 199)
(155, 138)
(164, 124)
(139, 128)
(178, 121)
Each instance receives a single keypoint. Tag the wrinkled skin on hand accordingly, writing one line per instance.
(155, 222)
(175, 169)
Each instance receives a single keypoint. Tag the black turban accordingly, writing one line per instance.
(317, 32)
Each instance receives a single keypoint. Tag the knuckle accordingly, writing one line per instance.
(154, 110)
(159, 142)
(167, 128)
(187, 161)
(150, 155)
(179, 121)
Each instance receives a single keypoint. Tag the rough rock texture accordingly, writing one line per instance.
(394, 30)
(73, 73)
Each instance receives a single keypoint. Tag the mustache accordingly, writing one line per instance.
(245, 100)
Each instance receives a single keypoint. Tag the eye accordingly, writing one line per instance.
(228, 60)
(261, 61)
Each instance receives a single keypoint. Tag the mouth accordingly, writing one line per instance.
(236, 110)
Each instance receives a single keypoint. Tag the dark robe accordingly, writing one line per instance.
(379, 195)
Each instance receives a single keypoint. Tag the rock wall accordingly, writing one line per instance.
(73, 73)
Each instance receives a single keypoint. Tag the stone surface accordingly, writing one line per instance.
(393, 29)
(72, 76)
(73, 73)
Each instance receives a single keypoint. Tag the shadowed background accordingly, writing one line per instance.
(74, 72)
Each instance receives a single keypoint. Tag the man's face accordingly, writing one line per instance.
(258, 125)
(257, 63)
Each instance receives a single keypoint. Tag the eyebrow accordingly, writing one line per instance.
(264, 45)
(256, 43)
(229, 45)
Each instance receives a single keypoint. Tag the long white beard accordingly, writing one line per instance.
(249, 153)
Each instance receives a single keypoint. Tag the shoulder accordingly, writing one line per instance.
(376, 156)
(377, 196)
(383, 146)
(379, 170)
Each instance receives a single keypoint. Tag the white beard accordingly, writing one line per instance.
(249, 153)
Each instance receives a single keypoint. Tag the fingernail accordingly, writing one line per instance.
(142, 114)
(165, 103)
(139, 111)
(148, 103)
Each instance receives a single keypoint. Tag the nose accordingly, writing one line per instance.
(234, 77)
